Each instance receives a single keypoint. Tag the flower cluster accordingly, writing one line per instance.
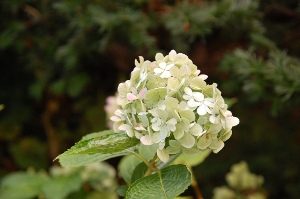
(167, 102)
(242, 183)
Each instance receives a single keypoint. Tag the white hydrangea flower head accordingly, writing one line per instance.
(167, 102)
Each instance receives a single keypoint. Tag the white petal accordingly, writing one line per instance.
(162, 65)
(161, 145)
(198, 96)
(169, 66)
(146, 140)
(124, 127)
(212, 118)
(172, 55)
(188, 91)
(234, 121)
(158, 70)
(115, 118)
(187, 97)
(203, 77)
(165, 74)
(191, 103)
(202, 109)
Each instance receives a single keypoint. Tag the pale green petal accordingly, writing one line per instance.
(175, 72)
(179, 132)
(173, 83)
(196, 130)
(161, 114)
(184, 70)
(187, 140)
(135, 74)
(163, 132)
(172, 150)
(152, 96)
(226, 136)
(202, 120)
(156, 137)
(197, 83)
(203, 142)
(214, 128)
(188, 114)
(171, 102)
(172, 55)
(190, 152)
(216, 145)
(174, 143)
(159, 57)
(162, 155)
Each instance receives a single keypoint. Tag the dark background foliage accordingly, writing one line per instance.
(61, 59)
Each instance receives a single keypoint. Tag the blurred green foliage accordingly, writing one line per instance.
(60, 59)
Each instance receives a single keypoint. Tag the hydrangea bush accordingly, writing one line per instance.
(167, 102)
(164, 112)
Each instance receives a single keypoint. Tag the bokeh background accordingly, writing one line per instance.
(61, 59)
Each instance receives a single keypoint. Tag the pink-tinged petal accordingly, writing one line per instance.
(203, 77)
(228, 114)
(131, 97)
(146, 140)
(143, 92)
(234, 121)
(115, 118)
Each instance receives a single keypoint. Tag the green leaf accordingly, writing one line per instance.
(121, 190)
(21, 185)
(171, 182)
(60, 187)
(77, 160)
(127, 166)
(104, 144)
(139, 171)
(191, 161)
(97, 134)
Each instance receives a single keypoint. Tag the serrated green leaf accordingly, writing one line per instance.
(60, 187)
(139, 171)
(77, 160)
(127, 166)
(171, 182)
(105, 144)
(97, 134)
(121, 190)
(21, 185)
